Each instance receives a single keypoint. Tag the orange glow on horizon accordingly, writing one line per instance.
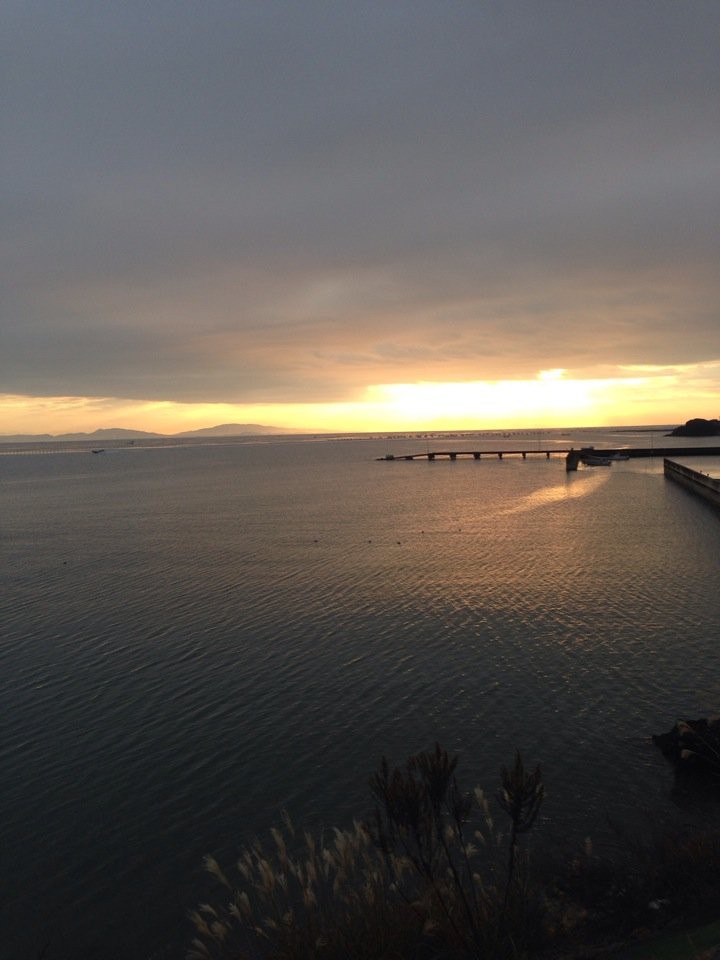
(552, 399)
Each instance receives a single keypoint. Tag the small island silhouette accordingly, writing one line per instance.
(697, 428)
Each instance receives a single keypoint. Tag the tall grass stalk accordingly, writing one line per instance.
(409, 883)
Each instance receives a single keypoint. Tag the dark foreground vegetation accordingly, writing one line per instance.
(433, 875)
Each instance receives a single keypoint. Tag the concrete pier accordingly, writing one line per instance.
(698, 483)
(473, 454)
(573, 456)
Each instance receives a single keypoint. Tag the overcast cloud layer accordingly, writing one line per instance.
(279, 202)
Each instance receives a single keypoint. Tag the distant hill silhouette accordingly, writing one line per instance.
(108, 433)
(119, 433)
(234, 430)
(697, 427)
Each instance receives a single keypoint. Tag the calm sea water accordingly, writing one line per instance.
(196, 638)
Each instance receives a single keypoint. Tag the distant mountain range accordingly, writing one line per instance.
(234, 430)
(118, 433)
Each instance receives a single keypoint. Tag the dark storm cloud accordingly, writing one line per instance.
(282, 201)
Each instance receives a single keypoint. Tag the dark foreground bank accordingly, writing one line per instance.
(438, 872)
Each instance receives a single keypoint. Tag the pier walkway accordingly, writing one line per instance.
(573, 455)
(470, 454)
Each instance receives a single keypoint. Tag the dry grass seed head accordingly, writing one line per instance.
(266, 876)
(219, 930)
(198, 950)
(212, 866)
(199, 923)
(279, 843)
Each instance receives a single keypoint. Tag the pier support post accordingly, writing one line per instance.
(572, 460)
(476, 455)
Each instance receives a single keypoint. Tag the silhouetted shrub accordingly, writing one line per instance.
(429, 876)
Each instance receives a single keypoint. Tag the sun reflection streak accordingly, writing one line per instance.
(574, 488)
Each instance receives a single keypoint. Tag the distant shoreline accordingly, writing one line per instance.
(46, 444)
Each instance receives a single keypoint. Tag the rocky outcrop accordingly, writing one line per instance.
(697, 428)
(693, 746)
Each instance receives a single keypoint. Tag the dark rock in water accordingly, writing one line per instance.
(693, 746)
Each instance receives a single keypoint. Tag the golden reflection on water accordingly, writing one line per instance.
(576, 485)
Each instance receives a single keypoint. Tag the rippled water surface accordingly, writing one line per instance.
(196, 638)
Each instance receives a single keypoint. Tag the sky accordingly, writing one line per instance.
(359, 215)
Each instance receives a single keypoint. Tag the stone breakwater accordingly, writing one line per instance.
(693, 480)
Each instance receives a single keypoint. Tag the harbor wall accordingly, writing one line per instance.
(698, 483)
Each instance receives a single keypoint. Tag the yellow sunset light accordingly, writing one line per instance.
(548, 399)
(553, 398)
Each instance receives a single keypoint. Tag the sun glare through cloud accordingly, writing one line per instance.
(551, 399)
